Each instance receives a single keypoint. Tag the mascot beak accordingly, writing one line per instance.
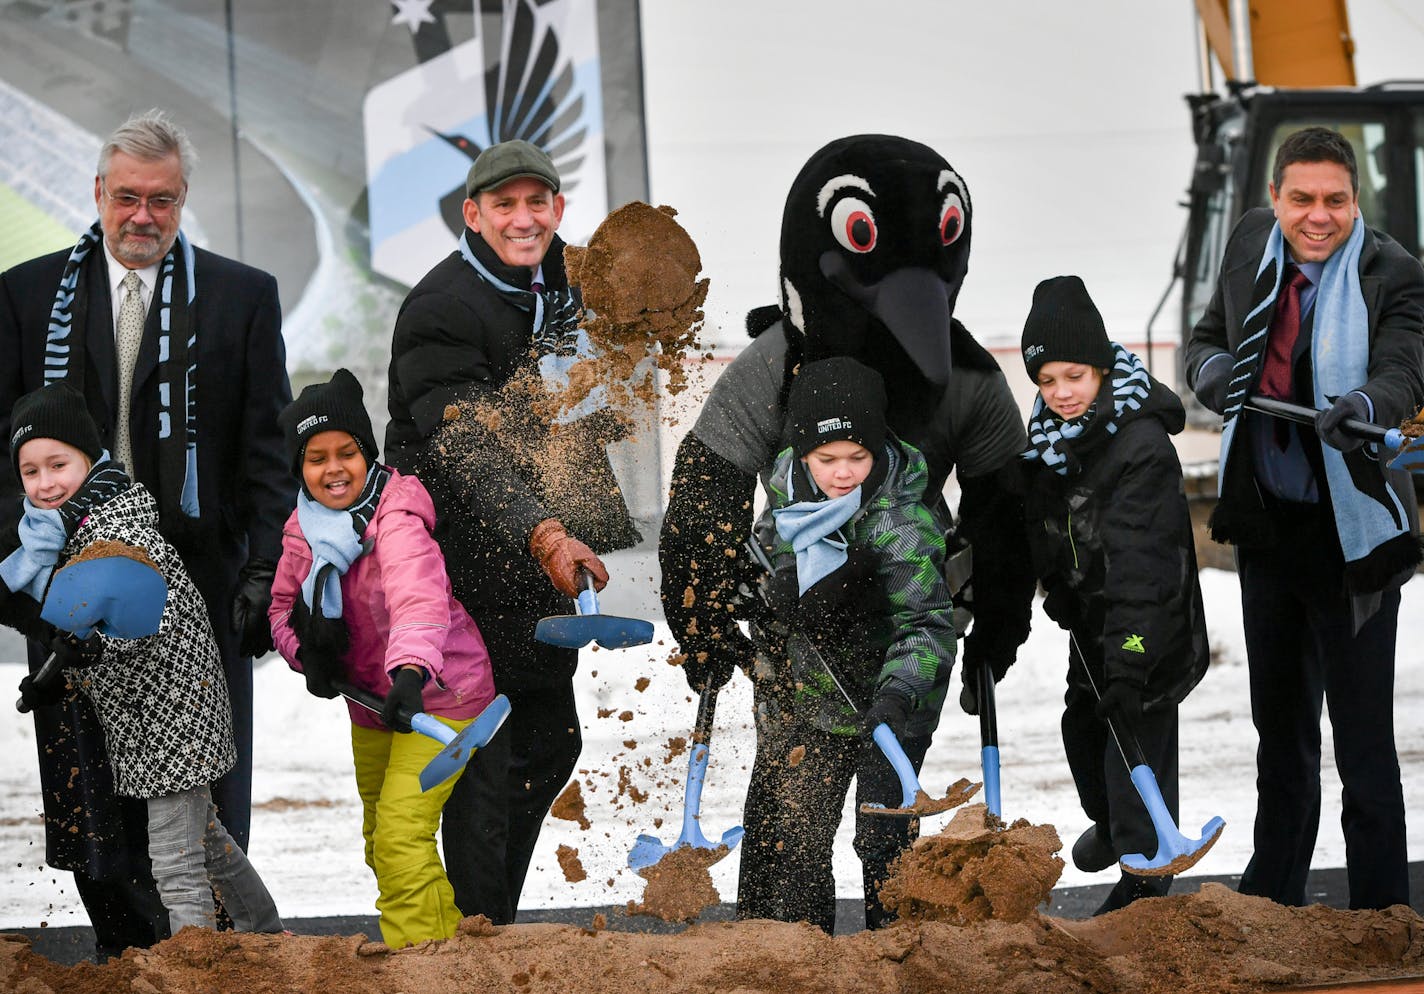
(913, 303)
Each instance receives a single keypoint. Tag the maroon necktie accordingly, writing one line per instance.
(536, 287)
(1280, 340)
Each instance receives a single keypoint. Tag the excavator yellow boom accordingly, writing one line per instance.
(1293, 42)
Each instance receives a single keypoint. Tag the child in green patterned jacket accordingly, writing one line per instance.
(857, 592)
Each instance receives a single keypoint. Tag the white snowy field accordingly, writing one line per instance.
(306, 822)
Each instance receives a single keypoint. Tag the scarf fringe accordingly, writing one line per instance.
(1384, 564)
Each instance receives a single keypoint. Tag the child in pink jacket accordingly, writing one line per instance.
(361, 596)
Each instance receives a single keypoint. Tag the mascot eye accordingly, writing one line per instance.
(951, 219)
(854, 225)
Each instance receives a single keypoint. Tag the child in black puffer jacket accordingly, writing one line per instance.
(1112, 544)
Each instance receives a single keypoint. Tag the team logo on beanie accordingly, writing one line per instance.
(834, 424)
(311, 422)
(20, 433)
(1033, 350)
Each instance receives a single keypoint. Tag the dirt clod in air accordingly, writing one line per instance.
(568, 858)
(569, 806)
(975, 869)
(794, 758)
(642, 300)
(679, 885)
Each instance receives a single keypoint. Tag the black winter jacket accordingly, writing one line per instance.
(1112, 545)
(458, 341)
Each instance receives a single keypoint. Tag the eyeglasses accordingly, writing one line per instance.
(160, 205)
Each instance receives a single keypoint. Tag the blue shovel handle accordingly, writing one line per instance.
(692, 801)
(904, 769)
(989, 740)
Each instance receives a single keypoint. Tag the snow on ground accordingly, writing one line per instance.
(306, 822)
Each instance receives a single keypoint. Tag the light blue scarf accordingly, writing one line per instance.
(42, 536)
(336, 538)
(1339, 356)
(813, 529)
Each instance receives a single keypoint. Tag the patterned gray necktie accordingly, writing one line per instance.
(126, 343)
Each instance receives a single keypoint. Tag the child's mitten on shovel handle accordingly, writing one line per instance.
(403, 699)
(562, 557)
(888, 708)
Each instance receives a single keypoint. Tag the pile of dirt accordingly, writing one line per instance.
(974, 870)
(1214, 942)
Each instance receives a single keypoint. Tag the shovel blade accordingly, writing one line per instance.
(1410, 458)
(573, 631)
(120, 597)
(462, 748)
(646, 852)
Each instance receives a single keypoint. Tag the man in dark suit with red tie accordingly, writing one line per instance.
(179, 353)
(1315, 308)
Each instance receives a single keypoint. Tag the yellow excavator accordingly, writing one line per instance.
(1286, 64)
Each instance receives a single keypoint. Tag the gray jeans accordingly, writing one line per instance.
(190, 851)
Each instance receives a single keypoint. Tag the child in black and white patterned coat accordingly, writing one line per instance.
(162, 700)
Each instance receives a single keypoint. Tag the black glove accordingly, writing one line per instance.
(75, 654)
(1212, 380)
(249, 607)
(969, 673)
(403, 699)
(320, 669)
(1328, 423)
(1062, 605)
(1121, 699)
(42, 695)
(711, 661)
(888, 708)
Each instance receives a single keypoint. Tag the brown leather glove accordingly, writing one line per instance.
(562, 557)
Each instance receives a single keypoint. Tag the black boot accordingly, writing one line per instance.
(1094, 851)
(1132, 887)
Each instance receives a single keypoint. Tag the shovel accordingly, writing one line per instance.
(115, 595)
(1175, 852)
(1408, 451)
(989, 740)
(648, 850)
(914, 799)
(460, 747)
(573, 631)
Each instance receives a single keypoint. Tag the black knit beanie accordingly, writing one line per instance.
(332, 406)
(56, 411)
(834, 399)
(1064, 325)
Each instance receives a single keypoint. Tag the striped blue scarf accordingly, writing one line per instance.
(1130, 386)
(177, 359)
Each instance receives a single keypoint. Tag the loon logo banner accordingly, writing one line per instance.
(540, 81)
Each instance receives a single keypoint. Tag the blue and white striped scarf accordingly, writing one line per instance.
(1130, 385)
(555, 335)
(177, 359)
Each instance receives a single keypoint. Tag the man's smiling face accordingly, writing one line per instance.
(517, 220)
(1316, 207)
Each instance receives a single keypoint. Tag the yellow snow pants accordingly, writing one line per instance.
(398, 822)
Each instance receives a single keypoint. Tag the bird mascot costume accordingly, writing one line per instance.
(875, 244)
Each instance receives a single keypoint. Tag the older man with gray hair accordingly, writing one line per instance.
(179, 355)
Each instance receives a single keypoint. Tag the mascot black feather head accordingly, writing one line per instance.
(874, 248)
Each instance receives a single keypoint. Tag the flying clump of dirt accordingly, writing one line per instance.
(974, 870)
(569, 806)
(643, 305)
(570, 863)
